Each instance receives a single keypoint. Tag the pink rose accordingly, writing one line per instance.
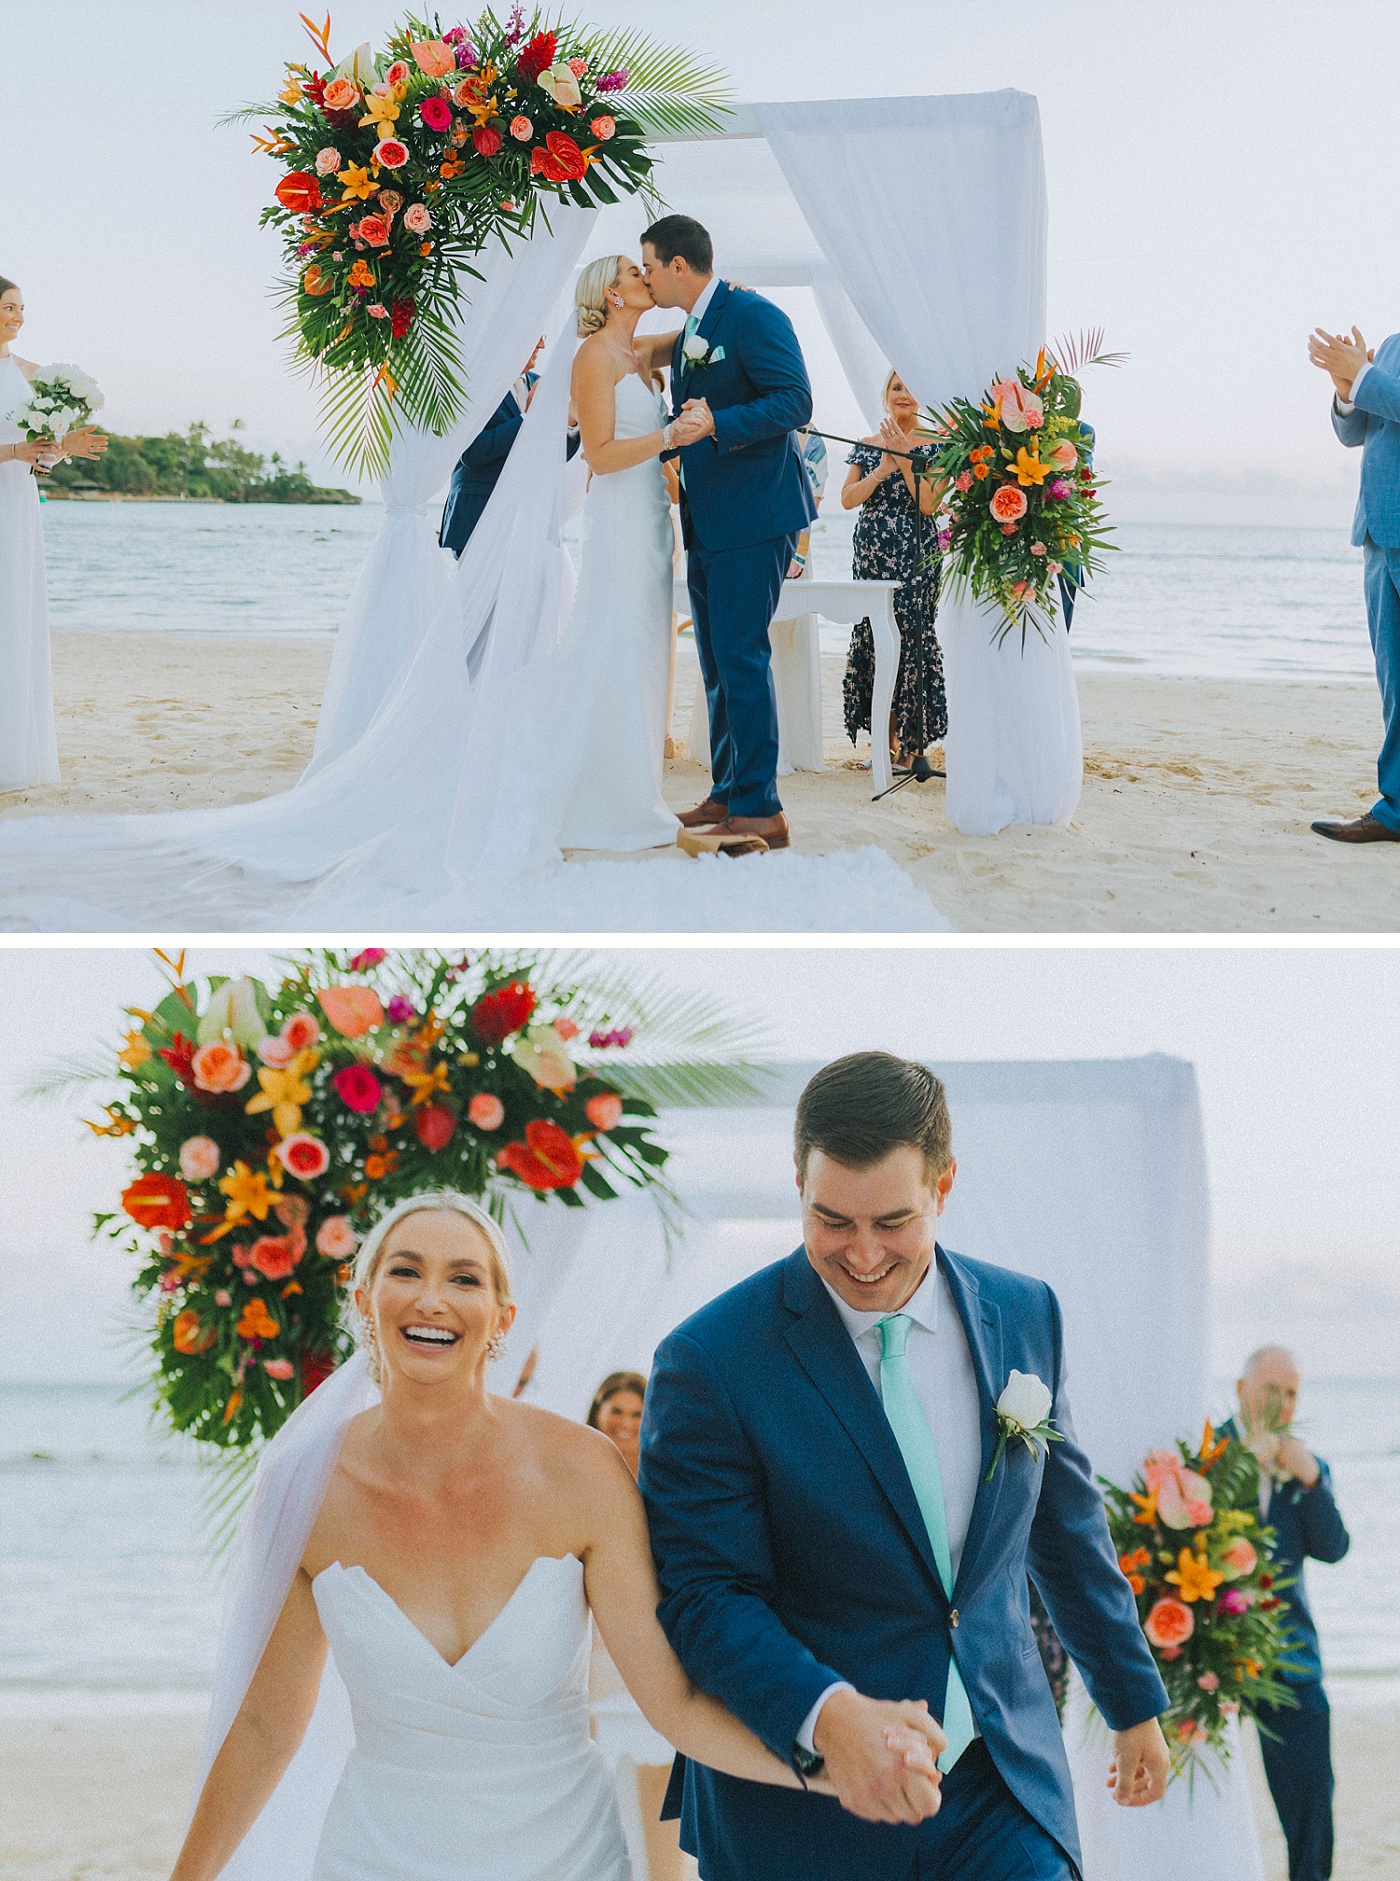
(1234, 1601)
(375, 231)
(327, 161)
(223, 1297)
(377, 311)
(963, 481)
(200, 1158)
(390, 201)
(1008, 503)
(357, 1088)
(1209, 1681)
(1038, 548)
(292, 1211)
(604, 1111)
(301, 1154)
(603, 127)
(397, 73)
(301, 1031)
(522, 128)
(486, 1112)
(335, 1238)
(278, 1368)
(1064, 456)
(436, 112)
(578, 67)
(220, 1067)
(273, 1257)
(416, 218)
(391, 154)
(275, 1051)
(1238, 1559)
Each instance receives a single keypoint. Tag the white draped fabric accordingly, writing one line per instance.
(932, 215)
(406, 578)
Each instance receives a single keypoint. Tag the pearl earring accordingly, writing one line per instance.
(496, 1347)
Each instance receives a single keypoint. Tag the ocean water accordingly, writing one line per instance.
(109, 1601)
(1218, 601)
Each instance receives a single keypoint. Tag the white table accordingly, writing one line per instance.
(797, 673)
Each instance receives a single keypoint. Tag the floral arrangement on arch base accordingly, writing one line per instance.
(270, 1124)
(1022, 504)
(400, 166)
(1197, 1558)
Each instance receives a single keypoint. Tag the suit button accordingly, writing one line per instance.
(953, 1617)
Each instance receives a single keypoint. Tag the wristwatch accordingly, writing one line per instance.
(807, 1762)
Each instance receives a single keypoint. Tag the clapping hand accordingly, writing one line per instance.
(1340, 357)
(894, 440)
(881, 1756)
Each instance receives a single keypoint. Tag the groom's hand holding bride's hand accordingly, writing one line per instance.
(697, 415)
(1141, 1765)
(881, 1756)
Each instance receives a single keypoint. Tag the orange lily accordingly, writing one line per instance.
(1196, 1578)
(1029, 469)
(425, 1084)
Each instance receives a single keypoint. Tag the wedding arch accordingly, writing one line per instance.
(920, 227)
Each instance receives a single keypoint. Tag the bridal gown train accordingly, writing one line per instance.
(28, 746)
(479, 1771)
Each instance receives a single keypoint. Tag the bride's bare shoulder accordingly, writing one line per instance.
(567, 1452)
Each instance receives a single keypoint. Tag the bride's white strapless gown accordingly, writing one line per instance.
(479, 1771)
(607, 714)
(28, 743)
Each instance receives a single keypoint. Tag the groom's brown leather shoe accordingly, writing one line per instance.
(710, 811)
(1360, 829)
(773, 830)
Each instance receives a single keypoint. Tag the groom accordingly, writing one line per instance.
(833, 1526)
(737, 372)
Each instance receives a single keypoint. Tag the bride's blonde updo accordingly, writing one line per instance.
(590, 296)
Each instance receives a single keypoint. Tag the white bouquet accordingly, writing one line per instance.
(61, 399)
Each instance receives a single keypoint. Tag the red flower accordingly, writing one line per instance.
(316, 1368)
(547, 1159)
(315, 90)
(486, 140)
(368, 957)
(535, 56)
(435, 1124)
(496, 1015)
(155, 1201)
(299, 192)
(435, 112)
(561, 161)
(357, 1087)
(375, 231)
(401, 317)
(179, 1055)
(274, 1257)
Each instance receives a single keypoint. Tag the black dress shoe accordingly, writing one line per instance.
(1360, 829)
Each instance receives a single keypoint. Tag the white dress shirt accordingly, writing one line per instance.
(945, 1383)
(702, 306)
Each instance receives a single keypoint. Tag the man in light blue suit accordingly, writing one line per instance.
(837, 1529)
(1366, 412)
(738, 372)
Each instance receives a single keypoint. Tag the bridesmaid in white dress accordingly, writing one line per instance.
(28, 744)
(450, 1567)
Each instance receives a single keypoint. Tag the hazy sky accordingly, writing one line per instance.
(1296, 1052)
(1220, 176)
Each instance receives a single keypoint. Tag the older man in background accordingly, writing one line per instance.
(1296, 1501)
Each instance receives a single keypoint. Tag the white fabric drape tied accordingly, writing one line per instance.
(932, 214)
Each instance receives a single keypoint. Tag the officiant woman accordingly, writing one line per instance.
(896, 540)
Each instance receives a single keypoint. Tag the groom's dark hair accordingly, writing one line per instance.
(684, 236)
(860, 1108)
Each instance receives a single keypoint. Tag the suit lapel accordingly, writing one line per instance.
(704, 330)
(827, 1354)
(981, 1324)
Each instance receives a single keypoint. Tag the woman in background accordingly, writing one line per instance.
(28, 741)
(618, 1725)
(895, 540)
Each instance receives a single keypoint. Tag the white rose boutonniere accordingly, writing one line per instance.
(1023, 1410)
(698, 352)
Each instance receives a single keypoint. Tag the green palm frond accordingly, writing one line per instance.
(64, 1076)
(668, 89)
(356, 418)
(226, 1483)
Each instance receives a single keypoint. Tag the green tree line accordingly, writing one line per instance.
(192, 464)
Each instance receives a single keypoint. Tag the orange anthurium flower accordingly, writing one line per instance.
(1196, 1578)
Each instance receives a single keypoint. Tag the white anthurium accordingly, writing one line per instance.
(359, 65)
(542, 1053)
(1023, 1411)
(233, 1007)
(559, 81)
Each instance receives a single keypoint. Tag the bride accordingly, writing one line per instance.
(610, 687)
(448, 1567)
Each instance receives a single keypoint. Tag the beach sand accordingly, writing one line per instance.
(108, 1803)
(1197, 793)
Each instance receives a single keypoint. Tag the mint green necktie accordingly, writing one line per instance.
(920, 1453)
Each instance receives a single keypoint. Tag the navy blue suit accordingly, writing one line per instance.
(476, 472)
(791, 1554)
(745, 498)
(1296, 1743)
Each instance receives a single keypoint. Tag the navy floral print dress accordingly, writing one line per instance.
(885, 550)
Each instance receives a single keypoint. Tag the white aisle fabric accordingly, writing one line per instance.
(1210, 1822)
(28, 744)
(932, 213)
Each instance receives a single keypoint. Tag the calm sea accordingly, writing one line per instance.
(1226, 602)
(109, 1603)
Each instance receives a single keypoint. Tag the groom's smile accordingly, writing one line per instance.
(869, 1232)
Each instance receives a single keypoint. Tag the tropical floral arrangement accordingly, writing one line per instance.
(400, 165)
(270, 1123)
(1197, 1557)
(1022, 503)
(61, 399)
